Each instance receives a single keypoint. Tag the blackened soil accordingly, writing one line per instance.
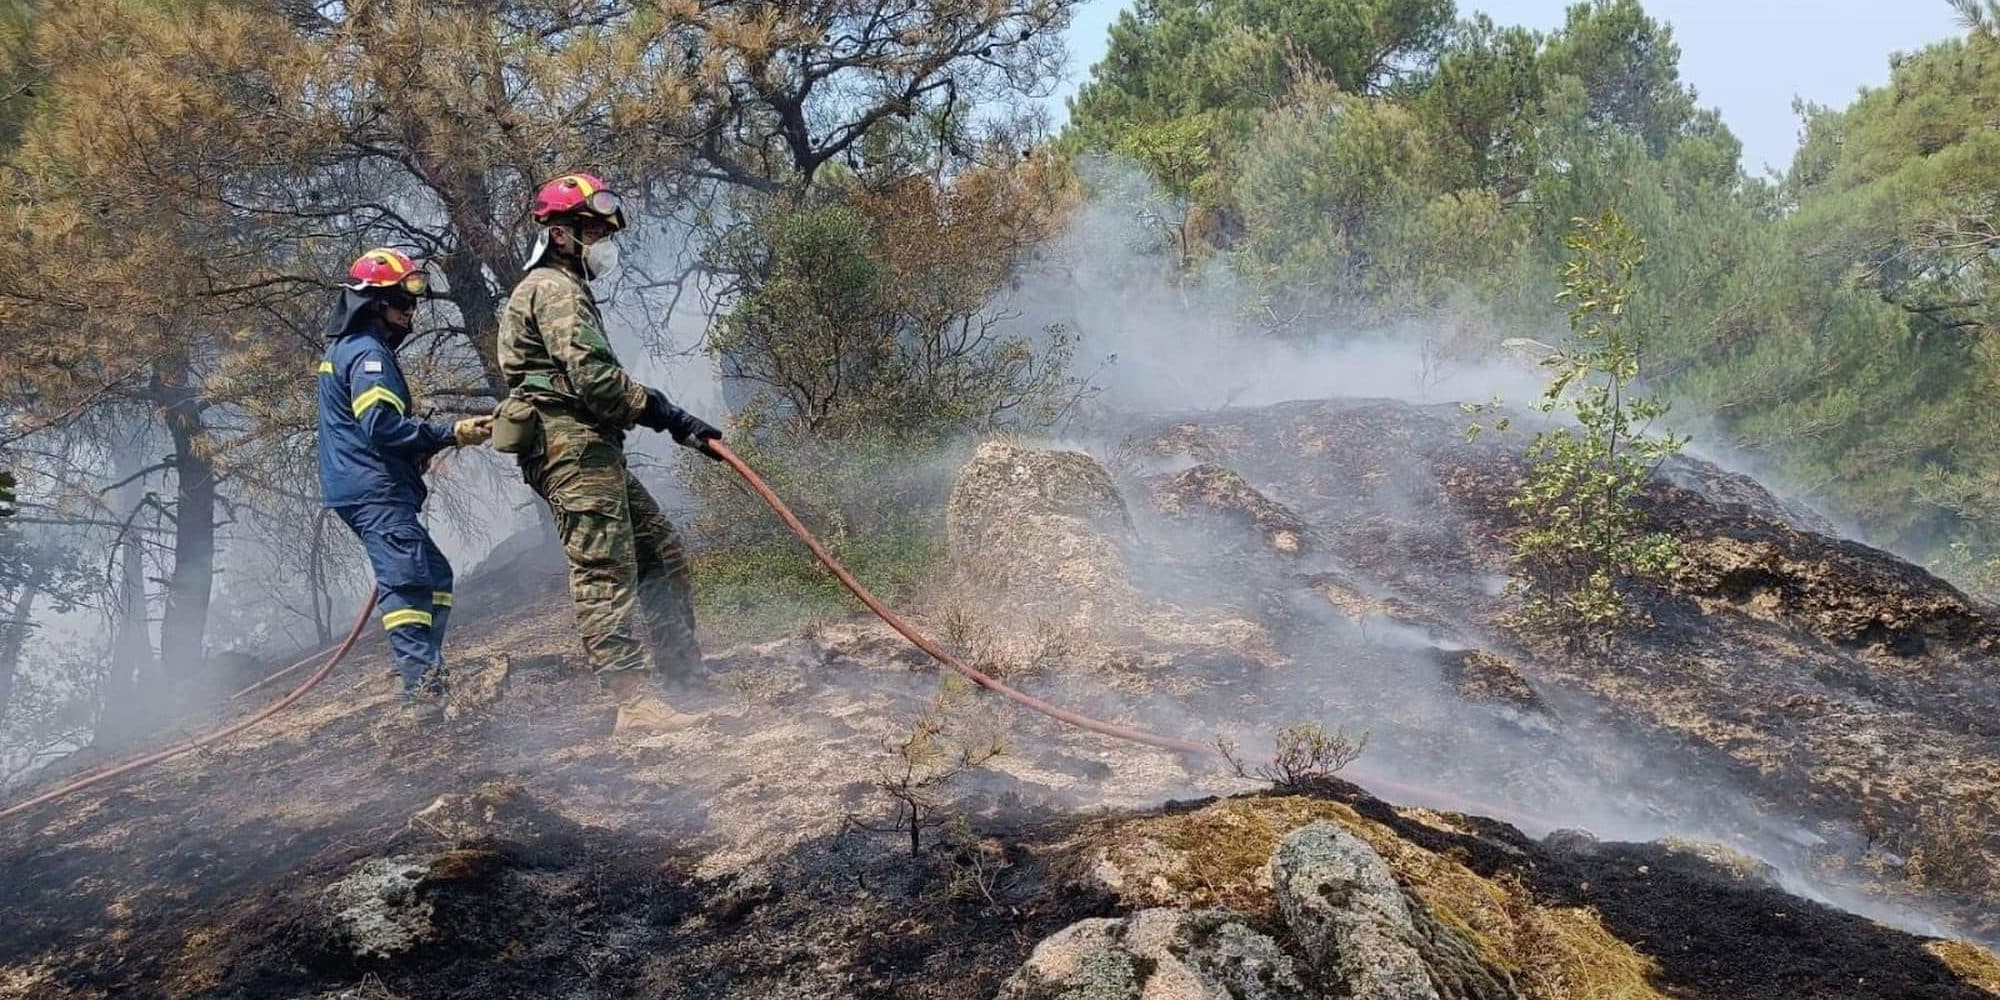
(853, 915)
(1713, 933)
(581, 913)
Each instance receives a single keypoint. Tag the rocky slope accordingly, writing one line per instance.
(1831, 694)
(1807, 716)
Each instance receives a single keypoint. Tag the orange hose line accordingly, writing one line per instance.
(922, 642)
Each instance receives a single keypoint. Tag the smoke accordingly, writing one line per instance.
(1155, 344)
(288, 577)
(1152, 342)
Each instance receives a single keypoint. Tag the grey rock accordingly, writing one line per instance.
(1004, 480)
(1348, 915)
(1571, 843)
(495, 813)
(1158, 954)
(376, 911)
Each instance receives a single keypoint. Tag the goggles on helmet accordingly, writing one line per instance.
(574, 196)
(381, 269)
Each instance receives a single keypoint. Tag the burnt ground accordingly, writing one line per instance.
(1803, 699)
(738, 858)
(593, 912)
(1799, 694)
(203, 878)
(1713, 933)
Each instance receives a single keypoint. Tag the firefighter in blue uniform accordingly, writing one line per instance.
(372, 454)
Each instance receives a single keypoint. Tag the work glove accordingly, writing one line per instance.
(687, 429)
(472, 431)
(659, 413)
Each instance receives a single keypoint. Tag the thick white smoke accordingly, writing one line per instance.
(1156, 344)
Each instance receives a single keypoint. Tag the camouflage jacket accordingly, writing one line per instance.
(553, 352)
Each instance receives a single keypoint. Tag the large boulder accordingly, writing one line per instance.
(1841, 592)
(1158, 954)
(1039, 539)
(1004, 479)
(1348, 915)
(1045, 528)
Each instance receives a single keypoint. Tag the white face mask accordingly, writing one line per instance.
(600, 257)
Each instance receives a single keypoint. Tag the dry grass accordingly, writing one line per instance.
(1953, 849)
(1969, 962)
(1000, 652)
(1566, 954)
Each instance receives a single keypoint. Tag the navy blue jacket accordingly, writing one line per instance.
(371, 450)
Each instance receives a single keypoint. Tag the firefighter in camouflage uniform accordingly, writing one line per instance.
(569, 407)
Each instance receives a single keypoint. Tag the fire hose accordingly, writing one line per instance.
(854, 586)
(923, 642)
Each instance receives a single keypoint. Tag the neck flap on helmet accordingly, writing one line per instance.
(543, 245)
(354, 311)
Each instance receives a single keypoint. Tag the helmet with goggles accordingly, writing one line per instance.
(380, 278)
(570, 202)
(577, 197)
(385, 271)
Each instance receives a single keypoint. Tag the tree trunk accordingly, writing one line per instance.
(185, 625)
(466, 197)
(322, 596)
(14, 633)
(479, 310)
(123, 714)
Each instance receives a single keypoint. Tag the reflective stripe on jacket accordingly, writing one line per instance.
(371, 449)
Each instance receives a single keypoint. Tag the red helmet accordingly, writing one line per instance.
(382, 268)
(579, 195)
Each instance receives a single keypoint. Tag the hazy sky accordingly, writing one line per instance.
(1747, 57)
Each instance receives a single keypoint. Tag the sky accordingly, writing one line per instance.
(1749, 58)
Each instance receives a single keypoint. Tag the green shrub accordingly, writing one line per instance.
(1583, 542)
(877, 504)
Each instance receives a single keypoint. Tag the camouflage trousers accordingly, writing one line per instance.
(628, 571)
